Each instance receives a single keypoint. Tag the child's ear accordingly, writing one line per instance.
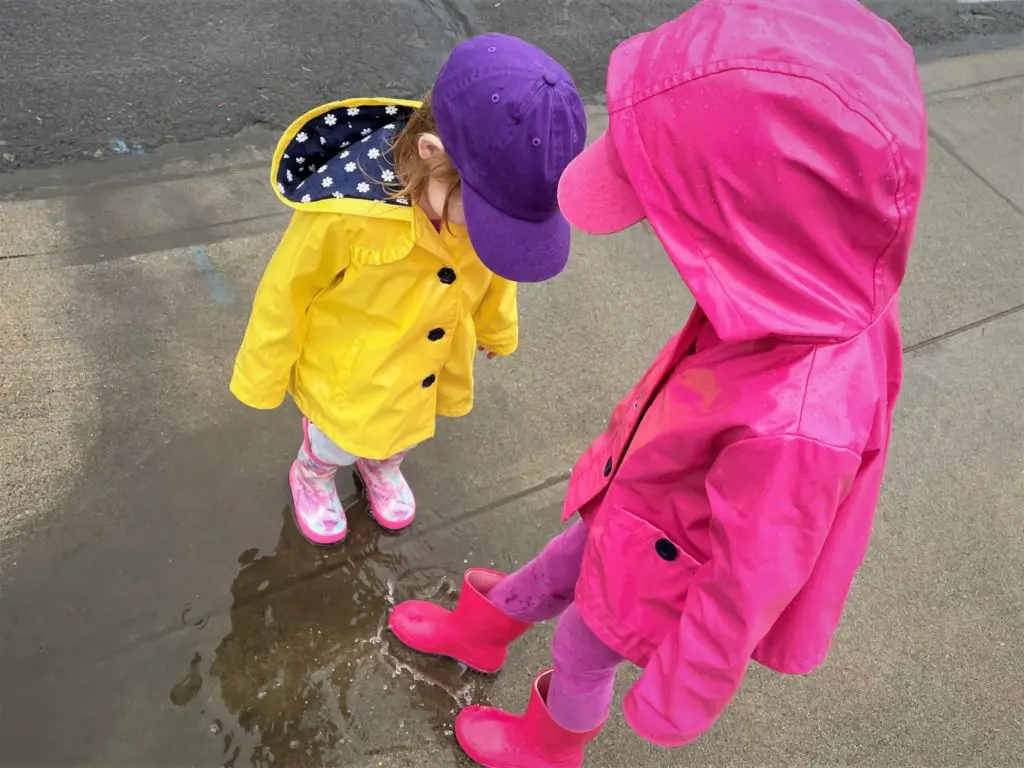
(429, 146)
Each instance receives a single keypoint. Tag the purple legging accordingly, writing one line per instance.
(584, 678)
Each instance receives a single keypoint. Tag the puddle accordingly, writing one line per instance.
(308, 674)
(190, 685)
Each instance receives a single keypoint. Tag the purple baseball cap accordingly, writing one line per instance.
(511, 120)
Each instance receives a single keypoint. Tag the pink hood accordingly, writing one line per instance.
(782, 106)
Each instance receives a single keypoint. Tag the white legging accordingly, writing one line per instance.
(327, 451)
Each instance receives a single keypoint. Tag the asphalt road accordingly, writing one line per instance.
(98, 77)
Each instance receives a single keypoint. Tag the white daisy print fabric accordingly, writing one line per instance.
(347, 153)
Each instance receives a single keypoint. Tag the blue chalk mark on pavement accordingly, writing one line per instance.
(219, 290)
(122, 147)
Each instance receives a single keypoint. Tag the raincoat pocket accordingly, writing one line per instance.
(638, 574)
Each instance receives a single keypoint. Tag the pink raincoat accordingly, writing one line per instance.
(779, 153)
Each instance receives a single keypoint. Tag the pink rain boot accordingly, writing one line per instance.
(476, 633)
(497, 739)
(318, 510)
(391, 501)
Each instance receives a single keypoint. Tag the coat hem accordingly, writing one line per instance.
(637, 651)
(790, 669)
(372, 451)
(632, 718)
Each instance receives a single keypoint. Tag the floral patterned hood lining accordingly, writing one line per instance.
(342, 150)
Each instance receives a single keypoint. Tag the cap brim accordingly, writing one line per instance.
(594, 193)
(518, 250)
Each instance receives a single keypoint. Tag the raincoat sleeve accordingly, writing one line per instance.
(497, 318)
(312, 254)
(773, 501)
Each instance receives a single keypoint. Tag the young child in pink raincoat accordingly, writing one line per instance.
(777, 148)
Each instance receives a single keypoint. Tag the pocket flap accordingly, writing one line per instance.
(638, 574)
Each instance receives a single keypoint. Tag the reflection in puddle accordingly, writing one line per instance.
(308, 674)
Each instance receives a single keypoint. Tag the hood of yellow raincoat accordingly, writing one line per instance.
(337, 158)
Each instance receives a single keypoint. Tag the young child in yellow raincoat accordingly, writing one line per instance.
(413, 223)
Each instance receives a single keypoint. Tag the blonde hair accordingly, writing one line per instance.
(415, 172)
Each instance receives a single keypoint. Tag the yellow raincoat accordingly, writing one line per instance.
(367, 315)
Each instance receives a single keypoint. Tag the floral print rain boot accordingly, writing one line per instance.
(391, 501)
(318, 509)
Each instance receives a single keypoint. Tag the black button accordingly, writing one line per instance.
(436, 335)
(666, 550)
(446, 275)
(608, 467)
(429, 381)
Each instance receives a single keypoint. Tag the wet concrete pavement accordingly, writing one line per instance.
(158, 608)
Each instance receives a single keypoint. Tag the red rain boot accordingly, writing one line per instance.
(496, 739)
(476, 633)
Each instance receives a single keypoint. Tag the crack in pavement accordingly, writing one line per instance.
(950, 147)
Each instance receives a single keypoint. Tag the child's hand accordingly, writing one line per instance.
(490, 355)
